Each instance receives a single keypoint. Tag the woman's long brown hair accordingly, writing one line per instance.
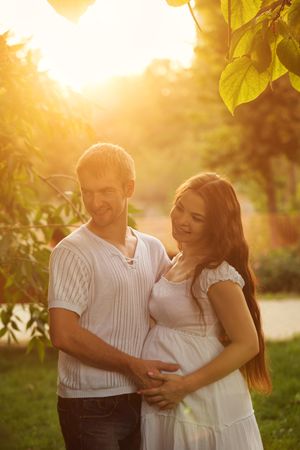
(224, 241)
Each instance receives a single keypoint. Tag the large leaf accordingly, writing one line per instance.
(288, 51)
(295, 81)
(261, 54)
(241, 11)
(294, 19)
(177, 2)
(277, 69)
(240, 82)
(71, 9)
(242, 38)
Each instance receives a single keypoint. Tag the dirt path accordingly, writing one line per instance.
(281, 319)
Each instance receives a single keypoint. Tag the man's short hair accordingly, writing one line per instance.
(103, 158)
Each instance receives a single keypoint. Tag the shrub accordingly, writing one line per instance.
(279, 270)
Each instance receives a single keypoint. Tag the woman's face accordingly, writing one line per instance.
(188, 217)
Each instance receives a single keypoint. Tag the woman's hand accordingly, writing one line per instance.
(138, 370)
(169, 394)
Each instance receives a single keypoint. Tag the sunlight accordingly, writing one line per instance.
(112, 38)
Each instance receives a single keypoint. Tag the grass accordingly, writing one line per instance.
(28, 419)
(279, 296)
(278, 414)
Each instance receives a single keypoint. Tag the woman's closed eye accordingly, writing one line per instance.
(198, 219)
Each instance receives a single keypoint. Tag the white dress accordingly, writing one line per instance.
(219, 416)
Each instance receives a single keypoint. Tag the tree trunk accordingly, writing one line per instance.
(292, 180)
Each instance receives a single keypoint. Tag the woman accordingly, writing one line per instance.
(208, 292)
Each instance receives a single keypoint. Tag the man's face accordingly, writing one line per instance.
(104, 197)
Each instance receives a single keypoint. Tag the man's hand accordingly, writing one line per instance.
(172, 390)
(139, 368)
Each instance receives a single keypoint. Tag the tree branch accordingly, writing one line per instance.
(229, 26)
(194, 17)
(56, 189)
(61, 175)
(274, 5)
(27, 227)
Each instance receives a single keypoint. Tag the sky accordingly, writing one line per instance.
(112, 38)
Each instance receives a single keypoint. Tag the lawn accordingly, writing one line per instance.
(28, 418)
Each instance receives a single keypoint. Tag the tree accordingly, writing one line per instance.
(30, 101)
(260, 147)
(263, 43)
(42, 126)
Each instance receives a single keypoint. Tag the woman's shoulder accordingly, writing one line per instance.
(223, 272)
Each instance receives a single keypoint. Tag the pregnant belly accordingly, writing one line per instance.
(224, 401)
(190, 351)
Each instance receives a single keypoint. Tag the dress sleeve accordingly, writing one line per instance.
(68, 281)
(224, 272)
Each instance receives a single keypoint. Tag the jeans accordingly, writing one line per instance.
(101, 423)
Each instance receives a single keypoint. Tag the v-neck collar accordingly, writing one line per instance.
(112, 248)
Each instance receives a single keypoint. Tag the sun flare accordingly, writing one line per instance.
(112, 38)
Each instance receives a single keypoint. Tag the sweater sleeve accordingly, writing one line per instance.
(68, 281)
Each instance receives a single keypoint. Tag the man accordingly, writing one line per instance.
(101, 276)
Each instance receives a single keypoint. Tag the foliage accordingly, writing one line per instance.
(264, 137)
(279, 270)
(71, 9)
(181, 127)
(263, 44)
(30, 101)
(259, 149)
(177, 2)
(38, 122)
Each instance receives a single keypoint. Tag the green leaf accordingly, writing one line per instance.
(295, 81)
(5, 316)
(13, 336)
(14, 325)
(71, 9)
(177, 2)
(282, 28)
(261, 54)
(240, 82)
(277, 69)
(294, 19)
(3, 331)
(29, 323)
(241, 40)
(133, 210)
(30, 345)
(131, 222)
(288, 51)
(9, 281)
(41, 350)
(241, 11)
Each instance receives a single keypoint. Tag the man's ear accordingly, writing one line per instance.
(129, 188)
